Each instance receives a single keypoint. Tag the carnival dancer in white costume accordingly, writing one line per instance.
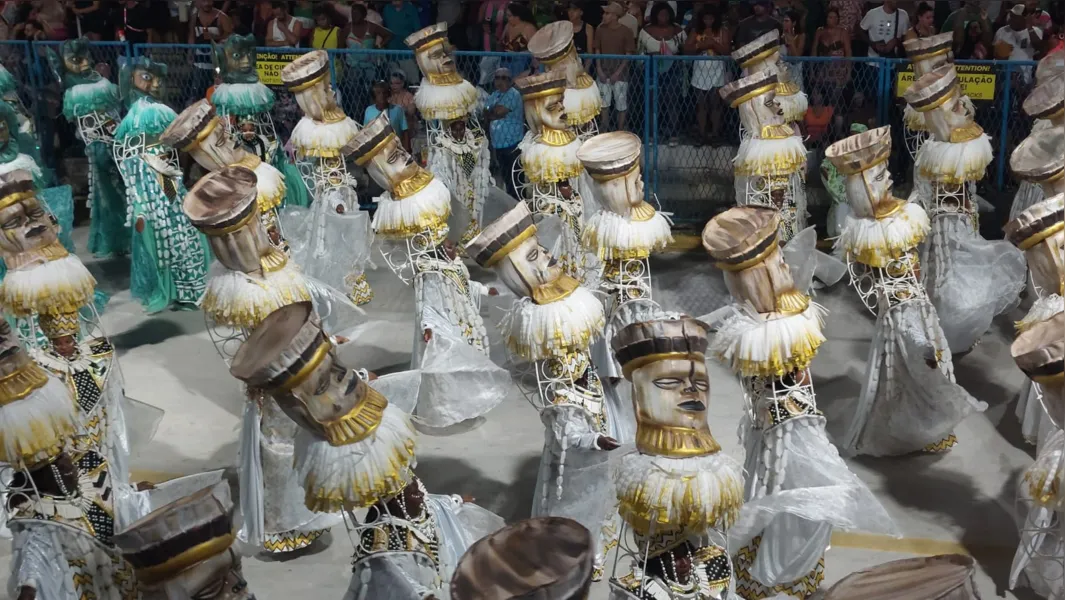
(168, 258)
(1040, 558)
(925, 54)
(623, 235)
(319, 139)
(356, 451)
(1037, 231)
(254, 279)
(92, 104)
(549, 161)
(60, 500)
(185, 549)
(773, 158)
(909, 400)
(1048, 102)
(969, 279)
(459, 380)
(552, 46)
(245, 104)
(552, 325)
(202, 134)
(677, 492)
(546, 558)
(797, 487)
(458, 148)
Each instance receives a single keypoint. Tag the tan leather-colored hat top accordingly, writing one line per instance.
(501, 236)
(858, 152)
(945, 577)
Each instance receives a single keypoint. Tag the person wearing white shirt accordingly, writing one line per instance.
(884, 26)
(1023, 37)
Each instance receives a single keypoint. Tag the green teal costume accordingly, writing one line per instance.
(245, 105)
(91, 103)
(27, 127)
(169, 257)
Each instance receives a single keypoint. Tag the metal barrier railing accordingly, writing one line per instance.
(672, 102)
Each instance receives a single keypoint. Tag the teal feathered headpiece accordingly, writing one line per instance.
(141, 66)
(10, 149)
(7, 82)
(235, 59)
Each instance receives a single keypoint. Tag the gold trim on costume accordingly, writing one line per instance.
(888, 208)
(776, 132)
(305, 371)
(555, 91)
(965, 133)
(430, 44)
(555, 291)
(937, 103)
(202, 135)
(558, 57)
(757, 58)
(446, 79)
(674, 442)
(753, 94)
(274, 260)
(557, 137)
(643, 212)
(1042, 235)
(792, 302)
(250, 161)
(46, 253)
(510, 246)
(750, 262)
(1056, 379)
(787, 88)
(10, 199)
(408, 187)
(361, 421)
(612, 176)
(928, 55)
(21, 383)
(646, 359)
(176, 564)
(309, 84)
(333, 115)
(218, 231)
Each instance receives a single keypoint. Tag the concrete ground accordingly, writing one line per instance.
(959, 502)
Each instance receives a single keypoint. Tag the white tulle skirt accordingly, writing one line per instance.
(969, 279)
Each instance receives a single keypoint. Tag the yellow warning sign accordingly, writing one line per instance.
(269, 65)
(977, 81)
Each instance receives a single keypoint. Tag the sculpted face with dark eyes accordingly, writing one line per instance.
(25, 225)
(147, 82)
(528, 267)
(554, 113)
(673, 393)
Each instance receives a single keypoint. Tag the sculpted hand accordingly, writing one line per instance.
(139, 225)
(607, 443)
(27, 593)
(493, 292)
(468, 499)
(427, 335)
(143, 486)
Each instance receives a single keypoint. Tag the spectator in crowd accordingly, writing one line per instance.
(546, 11)
(633, 18)
(504, 114)
(493, 18)
(832, 40)
(91, 19)
(52, 17)
(883, 27)
(382, 103)
(818, 118)
(364, 34)
(360, 70)
(520, 27)
(242, 13)
(663, 37)
(401, 18)
(759, 23)
(304, 13)
(974, 44)
(401, 97)
(30, 30)
(371, 15)
(583, 33)
(793, 43)
(689, 20)
(613, 38)
(861, 113)
(924, 26)
(326, 33)
(208, 24)
(136, 22)
(849, 13)
(710, 37)
(648, 7)
(961, 23)
(450, 12)
(1055, 40)
(1040, 17)
(284, 30)
(1020, 39)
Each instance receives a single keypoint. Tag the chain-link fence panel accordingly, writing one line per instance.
(106, 57)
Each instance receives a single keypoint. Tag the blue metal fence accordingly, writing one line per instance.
(673, 104)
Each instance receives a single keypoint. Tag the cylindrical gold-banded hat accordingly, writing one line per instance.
(1040, 352)
(737, 92)
(223, 206)
(191, 126)
(639, 344)
(546, 558)
(930, 52)
(369, 140)
(761, 48)
(306, 71)
(16, 186)
(540, 85)
(610, 155)
(502, 236)
(861, 151)
(552, 42)
(1037, 223)
(1047, 99)
(179, 536)
(283, 350)
(1040, 158)
(932, 89)
(427, 37)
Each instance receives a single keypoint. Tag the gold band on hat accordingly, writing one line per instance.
(614, 175)
(750, 262)
(544, 93)
(305, 371)
(162, 572)
(764, 54)
(510, 246)
(372, 152)
(939, 101)
(202, 135)
(753, 94)
(306, 85)
(1042, 235)
(551, 60)
(646, 359)
(10, 199)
